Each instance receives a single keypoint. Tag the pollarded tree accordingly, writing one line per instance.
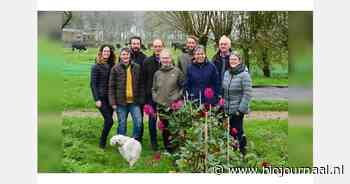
(222, 22)
(192, 23)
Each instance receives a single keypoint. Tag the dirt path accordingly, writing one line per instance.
(261, 115)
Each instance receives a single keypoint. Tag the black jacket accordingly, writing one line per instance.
(99, 81)
(150, 67)
(138, 58)
(221, 64)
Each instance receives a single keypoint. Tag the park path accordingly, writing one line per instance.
(270, 93)
(254, 115)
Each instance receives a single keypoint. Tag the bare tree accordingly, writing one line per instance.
(192, 23)
(222, 23)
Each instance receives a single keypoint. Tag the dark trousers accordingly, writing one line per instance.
(107, 113)
(166, 133)
(141, 134)
(237, 122)
(152, 127)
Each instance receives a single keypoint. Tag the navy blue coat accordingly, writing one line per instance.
(202, 76)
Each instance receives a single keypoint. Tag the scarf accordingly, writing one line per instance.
(166, 68)
(238, 69)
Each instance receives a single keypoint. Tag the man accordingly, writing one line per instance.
(186, 58)
(221, 58)
(151, 65)
(126, 93)
(138, 57)
(136, 54)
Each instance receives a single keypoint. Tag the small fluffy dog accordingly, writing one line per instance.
(129, 148)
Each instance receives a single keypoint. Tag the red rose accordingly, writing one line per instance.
(157, 156)
(234, 132)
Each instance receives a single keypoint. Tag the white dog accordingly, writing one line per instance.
(129, 148)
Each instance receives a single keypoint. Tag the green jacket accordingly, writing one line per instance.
(168, 83)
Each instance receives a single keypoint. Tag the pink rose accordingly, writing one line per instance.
(148, 109)
(209, 93)
(161, 125)
(176, 105)
(221, 102)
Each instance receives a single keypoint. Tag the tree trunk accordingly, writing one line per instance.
(203, 41)
(266, 64)
(246, 58)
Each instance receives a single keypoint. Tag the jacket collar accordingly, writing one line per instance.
(131, 64)
(206, 62)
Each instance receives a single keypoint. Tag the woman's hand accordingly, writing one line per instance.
(237, 113)
(98, 104)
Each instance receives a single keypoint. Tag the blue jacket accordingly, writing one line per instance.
(202, 76)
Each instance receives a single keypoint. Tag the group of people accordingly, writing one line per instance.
(137, 81)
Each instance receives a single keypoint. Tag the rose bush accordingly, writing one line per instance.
(202, 139)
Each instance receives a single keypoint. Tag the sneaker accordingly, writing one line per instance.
(103, 147)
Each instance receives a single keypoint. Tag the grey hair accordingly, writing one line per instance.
(198, 48)
(237, 54)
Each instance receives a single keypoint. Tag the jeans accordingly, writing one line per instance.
(237, 122)
(107, 113)
(123, 112)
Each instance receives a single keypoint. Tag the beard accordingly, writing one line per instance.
(135, 50)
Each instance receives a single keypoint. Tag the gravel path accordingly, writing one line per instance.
(261, 115)
(270, 93)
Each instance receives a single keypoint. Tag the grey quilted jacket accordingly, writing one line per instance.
(237, 92)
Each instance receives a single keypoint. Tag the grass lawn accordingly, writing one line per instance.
(264, 81)
(80, 135)
(271, 105)
(77, 93)
(81, 152)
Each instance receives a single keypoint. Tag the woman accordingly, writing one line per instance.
(126, 93)
(99, 86)
(237, 92)
(202, 80)
(167, 87)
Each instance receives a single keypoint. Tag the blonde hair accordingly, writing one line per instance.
(225, 38)
(164, 52)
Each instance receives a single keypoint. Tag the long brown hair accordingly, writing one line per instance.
(110, 60)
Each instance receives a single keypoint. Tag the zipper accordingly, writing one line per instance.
(228, 93)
